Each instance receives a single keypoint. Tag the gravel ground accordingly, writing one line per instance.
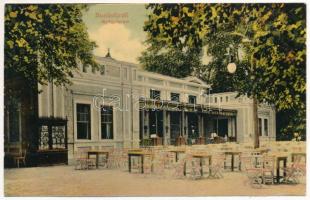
(65, 181)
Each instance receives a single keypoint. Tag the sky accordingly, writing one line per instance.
(118, 27)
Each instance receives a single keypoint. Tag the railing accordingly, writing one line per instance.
(185, 141)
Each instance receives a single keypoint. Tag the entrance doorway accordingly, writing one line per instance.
(156, 123)
(192, 129)
(175, 124)
(221, 127)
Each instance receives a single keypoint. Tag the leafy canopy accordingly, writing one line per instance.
(271, 36)
(45, 42)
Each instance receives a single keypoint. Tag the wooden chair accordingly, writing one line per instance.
(253, 173)
(295, 171)
(82, 161)
(21, 158)
(268, 169)
(195, 169)
(179, 168)
(217, 167)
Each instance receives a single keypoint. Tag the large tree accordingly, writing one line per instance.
(271, 36)
(45, 42)
(171, 61)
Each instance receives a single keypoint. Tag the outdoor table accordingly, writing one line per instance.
(233, 154)
(135, 150)
(201, 157)
(177, 152)
(97, 153)
(262, 150)
(137, 154)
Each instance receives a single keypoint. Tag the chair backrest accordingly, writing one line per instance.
(246, 162)
(82, 151)
(218, 159)
(15, 151)
(24, 153)
(269, 162)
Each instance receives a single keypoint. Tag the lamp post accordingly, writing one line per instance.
(231, 68)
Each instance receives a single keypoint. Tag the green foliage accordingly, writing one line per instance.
(45, 42)
(272, 37)
(173, 62)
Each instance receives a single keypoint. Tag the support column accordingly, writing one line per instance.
(229, 127)
(202, 134)
(199, 124)
(164, 126)
(183, 123)
(232, 127)
(235, 128)
(168, 125)
(147, 124)
(143, 122)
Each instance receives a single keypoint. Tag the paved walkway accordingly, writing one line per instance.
(65, 181)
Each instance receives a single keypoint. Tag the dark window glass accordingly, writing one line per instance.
(215, 99)
(175, 97)
(93, 69)
(155, 94)
(83, 121)
(192, 99)
(14, 131)
(102, 69)
(106, 122)
(156, 123)
(85, 68)
(260, 126)
(266, 127)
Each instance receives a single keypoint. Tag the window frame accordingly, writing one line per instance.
(266, 131)
(189, 97)
(101, 123)
(260, 126)
(102, 70)
(154, 90)
(174, 93)
(89, 138)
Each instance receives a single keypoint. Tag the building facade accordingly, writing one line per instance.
(121, 105)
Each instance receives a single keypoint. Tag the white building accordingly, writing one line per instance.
(122, 105)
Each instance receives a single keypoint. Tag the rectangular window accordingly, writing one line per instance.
(102, 69)
(260, 126)
(14, 121)
(106, 122)
(226, 98)
(85, 68)
(192, 99)
(155, 94)
(175, 97)
(215, 99)
(93, 70)
(266, 127)
(83, 121)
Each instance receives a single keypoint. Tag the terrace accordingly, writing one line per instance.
(277, 168)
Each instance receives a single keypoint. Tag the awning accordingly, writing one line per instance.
(151, 104)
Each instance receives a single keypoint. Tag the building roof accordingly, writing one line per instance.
(189, 79)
